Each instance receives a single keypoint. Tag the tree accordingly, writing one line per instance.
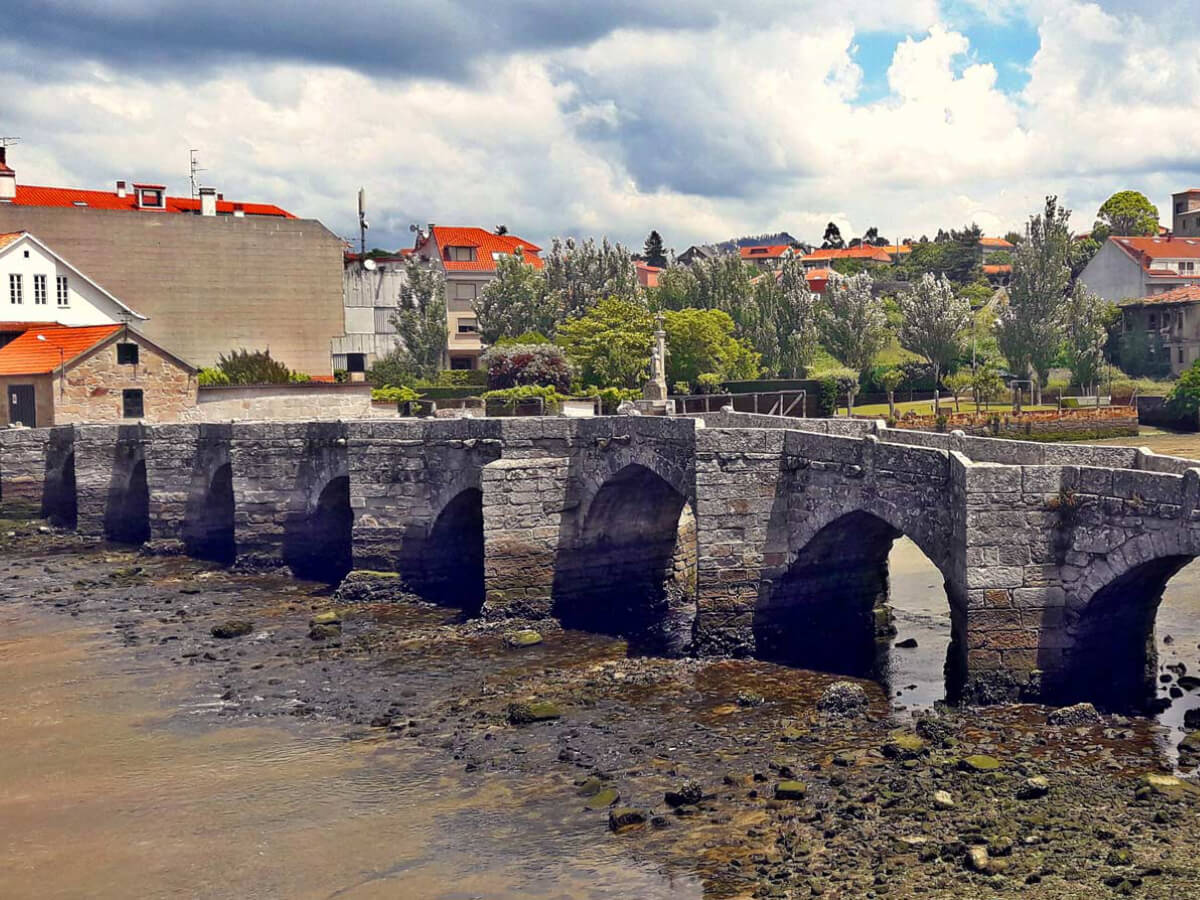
(1185, 396)
(653, 251)
(872, 239)
(833, 238)
(797, 320)
(579, 274)
(1028, 329)
(986, 384)
(420, 320)
(515, 301)
(853, 324)
(701, 341)
(1084, 320)
(1014, 237)
(935, 318)
(609, 344)
(252, 367)
(1128, 214)
(957, 383)
(889, 381)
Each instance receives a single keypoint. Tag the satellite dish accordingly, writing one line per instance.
(369, 265)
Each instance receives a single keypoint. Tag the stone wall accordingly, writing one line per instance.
(312, 401)
(1039, 425)
(94, 385)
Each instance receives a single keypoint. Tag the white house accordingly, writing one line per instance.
(39, 286)
(1132, 267)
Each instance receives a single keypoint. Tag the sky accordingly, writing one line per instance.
(703, 120)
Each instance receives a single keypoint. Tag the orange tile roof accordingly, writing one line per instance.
(877, 254)
(1147, 249)
(896, 249)
(764, 251)
(995, 243)
(10, 238)
(814, 274)
(1186, 294)
(32, 195)
(26, 355)
(485, 243)
(997, 270)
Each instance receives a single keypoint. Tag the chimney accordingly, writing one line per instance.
(239, 211)
(121, 192)
(208, 201)
(8, 179)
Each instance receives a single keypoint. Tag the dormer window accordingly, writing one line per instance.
(150, 196)
(460, 254)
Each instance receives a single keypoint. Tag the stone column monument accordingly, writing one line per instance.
(655, 390)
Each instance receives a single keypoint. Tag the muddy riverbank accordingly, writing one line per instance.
(384, 751)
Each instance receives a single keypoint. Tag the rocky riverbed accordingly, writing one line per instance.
(728, 778)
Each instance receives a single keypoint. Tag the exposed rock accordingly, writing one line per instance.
(1191, 719)
(979, 763)
(526, 637)
(904, 745)
(1074, 716)
(1189, 682)
(591, 786)
(1167, 786)
(688, 793)
(324, 632)
(749, 698)
(329, 617)
(907, 644)
(791, 790)
(935, 729)
(843, 698)
(231, 629)
(603, 799)
(942, 800)
(1190, 745)
(1033, 788)
(535, 711)
(623, 818)
(978, 860)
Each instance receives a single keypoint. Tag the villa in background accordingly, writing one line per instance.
(1185, 208)
(1134, 267)
(68, 353)
(211, 275)
(468, 258)
(1171, 323)
(767, 256)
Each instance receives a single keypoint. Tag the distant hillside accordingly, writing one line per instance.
(779, 237)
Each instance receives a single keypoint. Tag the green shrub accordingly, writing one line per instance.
(708, 383)
(390, 393)
(341, 376)
(682, 388)
(299, 378)
(253, 367)
(512, 397)
(529, 337)
(514, 365)
(209, 376)
(462, 378)
(827, 400)
(612, 397)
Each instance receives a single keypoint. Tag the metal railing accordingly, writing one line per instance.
(767, 403)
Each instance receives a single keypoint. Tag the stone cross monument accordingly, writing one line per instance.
(656, 388)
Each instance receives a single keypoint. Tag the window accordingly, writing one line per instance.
(463, 290)
(1153, 321)
(467, 326)
(61, 284)
(356, 362)
(15, 290)
(127, 354)
(131, 403)
(1181, 354)
(462, 363)
(460, 254)
(39, 290)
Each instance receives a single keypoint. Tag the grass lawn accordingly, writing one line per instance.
(925, 408)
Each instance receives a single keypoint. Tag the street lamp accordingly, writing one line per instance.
(62, 365)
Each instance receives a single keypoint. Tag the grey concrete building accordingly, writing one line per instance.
(1132, 267)
(370, 292)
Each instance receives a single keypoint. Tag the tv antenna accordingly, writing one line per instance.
(362, 222)
(194, 167)
(9, 141)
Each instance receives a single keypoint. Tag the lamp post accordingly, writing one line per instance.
(62, 365)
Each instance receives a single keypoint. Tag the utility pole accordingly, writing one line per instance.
(362, 223)
(194, 170)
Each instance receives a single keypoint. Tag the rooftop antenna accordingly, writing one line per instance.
(9, 141)
(194, 168)
(362, 222)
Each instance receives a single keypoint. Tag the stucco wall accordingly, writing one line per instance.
(286, 402)
(1113, 275)
(208, 284)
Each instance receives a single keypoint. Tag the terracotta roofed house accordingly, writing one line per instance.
(468, 258)
(1133, 267)
(864, 252)
(1171, 322)
(766, 255)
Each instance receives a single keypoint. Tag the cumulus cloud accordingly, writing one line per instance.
(696, 119)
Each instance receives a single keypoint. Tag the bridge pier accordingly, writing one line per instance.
(35, 478)
(111, 482)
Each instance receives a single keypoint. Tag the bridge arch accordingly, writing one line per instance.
(1100, 645)
(208, 528)
(451, 560)
(827, 608)
(630, 567)
(59, 500)
(127, 511)
(317, 541)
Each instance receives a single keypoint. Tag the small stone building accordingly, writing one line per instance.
(57, 375)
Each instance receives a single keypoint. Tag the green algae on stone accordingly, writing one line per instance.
(603, 799)
(526, 637)
(979, 763)
(904, 745)
(232, 629)
(329, 617)
(534, 711)
(791, 790)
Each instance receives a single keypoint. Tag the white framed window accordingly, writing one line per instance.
(39, 290)
(16, 289)
(467, 326)
(64, 296)
(460, 254)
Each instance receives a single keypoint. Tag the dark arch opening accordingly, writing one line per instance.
(451, 564)
(59, 503)
(127, 516)
(318, 545)
(208, 532)
(1112, 659)
(632, 572)
(830, 610)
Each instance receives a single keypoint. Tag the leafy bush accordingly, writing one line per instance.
(827, 400)
(462, 378)
(682, 388)
(253, 367)
(708, 383)
(517, 365)
(391, 393)
(1185, 396)
(341, 376)
(209, 376)
(612, 397)
(513, 396)
(299, 378)
(529, 337)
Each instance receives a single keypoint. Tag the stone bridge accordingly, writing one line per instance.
(736, 534)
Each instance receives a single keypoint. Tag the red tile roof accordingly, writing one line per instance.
(997, 270)
(1186, 294)
(764, 251)
(485, 243)
(1147, 249)
(10, 238)
(995, 243)
(26, 355)
(32, 195)
(647, 274)
(876, 254)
